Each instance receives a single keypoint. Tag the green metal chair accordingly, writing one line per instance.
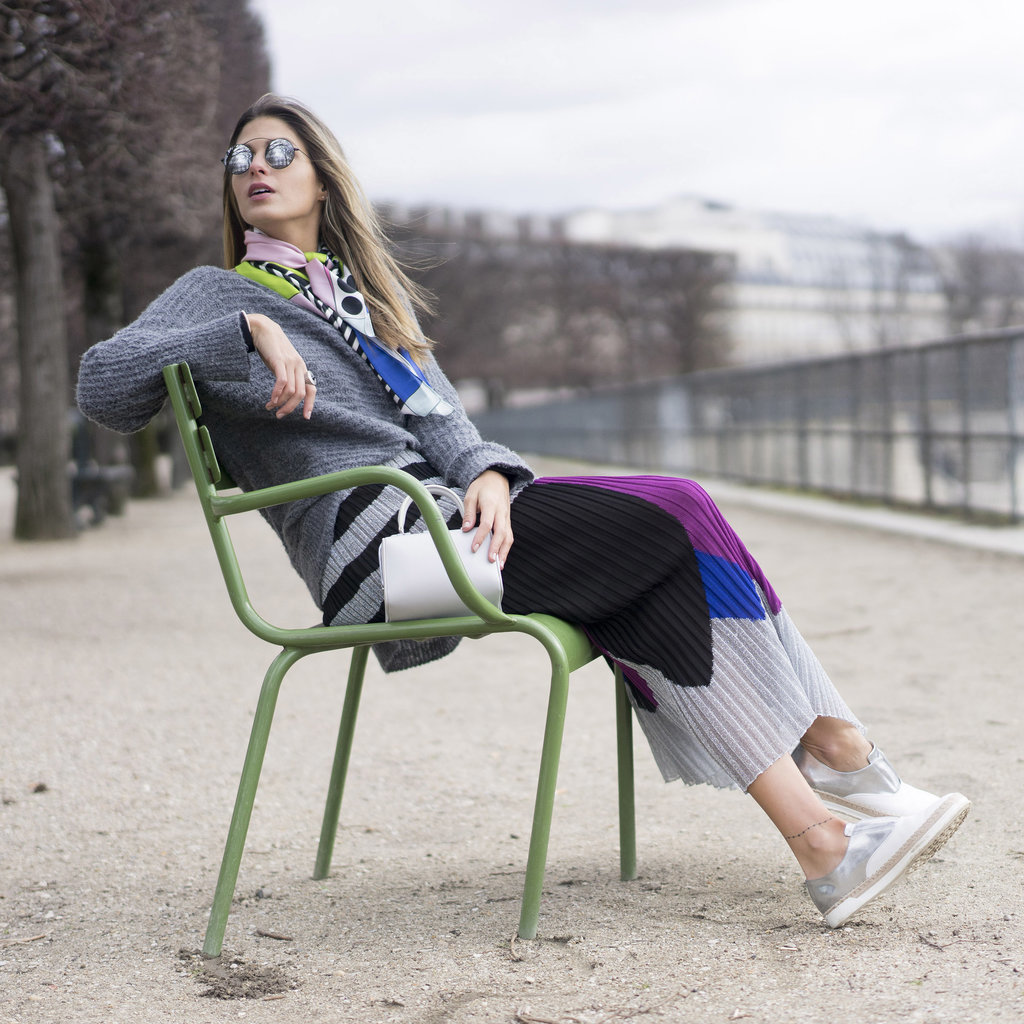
(567, 646)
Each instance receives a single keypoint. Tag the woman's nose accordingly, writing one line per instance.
(259, 162)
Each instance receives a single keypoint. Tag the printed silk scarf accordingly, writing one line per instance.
(320, 282)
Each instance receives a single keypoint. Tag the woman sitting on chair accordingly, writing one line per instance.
(309, 359)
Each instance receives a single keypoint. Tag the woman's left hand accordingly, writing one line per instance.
(488, 510)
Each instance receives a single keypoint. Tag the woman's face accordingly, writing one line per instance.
(287, 202)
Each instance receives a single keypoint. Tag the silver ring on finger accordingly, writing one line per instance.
(310, 379)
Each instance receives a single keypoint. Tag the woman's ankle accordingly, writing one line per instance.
(837, 744)
(820, 848)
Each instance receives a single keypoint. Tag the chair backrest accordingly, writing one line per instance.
(195, 437)
(212, 480)
(209, 479)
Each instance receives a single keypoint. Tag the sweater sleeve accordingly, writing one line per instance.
(120, 382)
(453, 445)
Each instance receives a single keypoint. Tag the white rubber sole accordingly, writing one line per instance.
(922, 844)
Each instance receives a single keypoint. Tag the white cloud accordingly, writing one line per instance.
(902, 113)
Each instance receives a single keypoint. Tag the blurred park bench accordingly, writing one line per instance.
(102, 488)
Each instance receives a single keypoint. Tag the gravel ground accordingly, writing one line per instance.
(127, 694)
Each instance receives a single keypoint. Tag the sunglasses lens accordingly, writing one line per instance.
(238, 159)
(280, 153)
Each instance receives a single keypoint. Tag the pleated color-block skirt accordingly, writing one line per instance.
(721, 681)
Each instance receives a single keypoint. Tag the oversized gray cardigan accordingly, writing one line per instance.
(355, 422)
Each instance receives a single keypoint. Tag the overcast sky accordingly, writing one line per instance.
(899, 114)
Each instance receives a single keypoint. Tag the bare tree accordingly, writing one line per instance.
(873, 287)
(51, 57)
(893, 261)
(137, 196)
(8, 344)
(44, 498)
(983, 283)
(548, 313)
(111, 111)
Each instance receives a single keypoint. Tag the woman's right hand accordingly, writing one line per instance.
(292, 386)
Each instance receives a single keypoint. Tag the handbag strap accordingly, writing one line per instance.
(437, 489)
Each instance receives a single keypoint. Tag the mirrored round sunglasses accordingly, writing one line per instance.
(278, 154)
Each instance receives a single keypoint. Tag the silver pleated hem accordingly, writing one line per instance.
(767, 688)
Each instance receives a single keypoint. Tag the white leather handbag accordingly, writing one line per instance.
(415, 583)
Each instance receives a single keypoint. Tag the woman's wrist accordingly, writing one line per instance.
(246, 328)
(500, 471)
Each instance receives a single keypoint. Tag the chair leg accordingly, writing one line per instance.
(244, 799)
(544, 806)
(627, 809)
(342, 751)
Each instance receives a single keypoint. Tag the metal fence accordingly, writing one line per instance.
(935, 426)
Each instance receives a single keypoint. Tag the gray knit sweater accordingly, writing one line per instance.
(354, 422)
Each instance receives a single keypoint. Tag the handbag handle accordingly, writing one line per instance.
(441, 491)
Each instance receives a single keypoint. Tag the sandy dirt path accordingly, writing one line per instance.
(125, 704)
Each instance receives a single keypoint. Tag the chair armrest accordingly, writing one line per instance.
(312, 487)
(280, 494)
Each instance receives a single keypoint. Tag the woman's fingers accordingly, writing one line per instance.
(501, 541)
(309, 400)
(494, 520)
(289, 384)
(291, 389)
(293, 384)
(487, 508)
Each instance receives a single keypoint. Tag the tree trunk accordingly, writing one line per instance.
(103, 316)
(44, 486)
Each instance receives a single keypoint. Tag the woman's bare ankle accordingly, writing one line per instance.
(819, 847)
(837, 744)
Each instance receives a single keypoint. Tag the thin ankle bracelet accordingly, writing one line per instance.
(809, 827)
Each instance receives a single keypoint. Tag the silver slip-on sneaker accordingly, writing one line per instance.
(880, 852)
(871, 792)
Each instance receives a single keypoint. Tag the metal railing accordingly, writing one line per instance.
(936, 426)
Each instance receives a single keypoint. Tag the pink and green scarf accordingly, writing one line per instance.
(320, 282)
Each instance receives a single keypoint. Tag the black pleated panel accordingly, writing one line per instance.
(618, 565)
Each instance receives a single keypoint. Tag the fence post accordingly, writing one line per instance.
(925, 418)
(1013, 359)
(964, 398)
(802, 457)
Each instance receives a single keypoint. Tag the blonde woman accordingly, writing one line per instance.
(308, 358)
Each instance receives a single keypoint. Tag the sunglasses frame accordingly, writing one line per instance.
(244, 146)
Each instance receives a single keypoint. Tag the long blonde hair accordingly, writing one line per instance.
(349, 227)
